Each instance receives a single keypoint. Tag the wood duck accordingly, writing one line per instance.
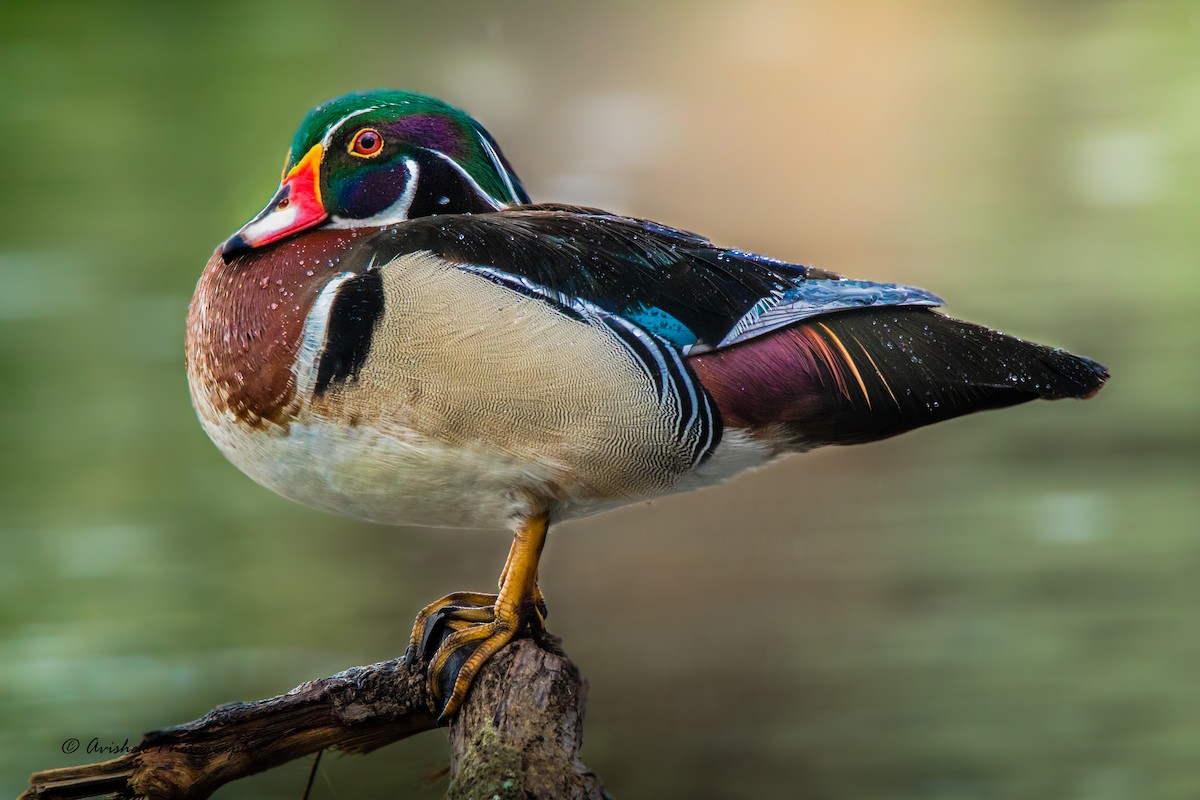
(403, 337)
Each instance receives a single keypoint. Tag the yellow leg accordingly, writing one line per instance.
(481, 629)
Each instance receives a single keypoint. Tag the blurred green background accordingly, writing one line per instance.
(1003, 606)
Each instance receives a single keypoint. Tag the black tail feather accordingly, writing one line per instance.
(859, 376)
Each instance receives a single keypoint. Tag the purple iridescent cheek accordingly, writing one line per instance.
(372, 192)
(430, 131)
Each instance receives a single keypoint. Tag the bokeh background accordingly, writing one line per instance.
(1003, 606)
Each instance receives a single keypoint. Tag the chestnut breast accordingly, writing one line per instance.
(245, 324)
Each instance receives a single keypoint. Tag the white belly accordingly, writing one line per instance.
(398, 479)
(364, 473)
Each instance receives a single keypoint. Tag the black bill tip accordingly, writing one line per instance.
(234, 246)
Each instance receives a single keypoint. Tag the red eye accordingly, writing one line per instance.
(366, 143)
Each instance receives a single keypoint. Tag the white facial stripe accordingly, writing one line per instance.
(478, 189)
(334, 127)
(491, 151)
(312, 338)
(278, 220)
(396, 212)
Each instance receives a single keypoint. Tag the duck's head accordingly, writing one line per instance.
(379, 157)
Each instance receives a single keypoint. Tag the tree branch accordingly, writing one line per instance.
(517, 736)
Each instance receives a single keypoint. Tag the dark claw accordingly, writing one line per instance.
(445, 680)
(428, 647)
(436, 631)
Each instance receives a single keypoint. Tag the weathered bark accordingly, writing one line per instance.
(517, 736)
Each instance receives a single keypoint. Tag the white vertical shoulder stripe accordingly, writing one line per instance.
(312, 337)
